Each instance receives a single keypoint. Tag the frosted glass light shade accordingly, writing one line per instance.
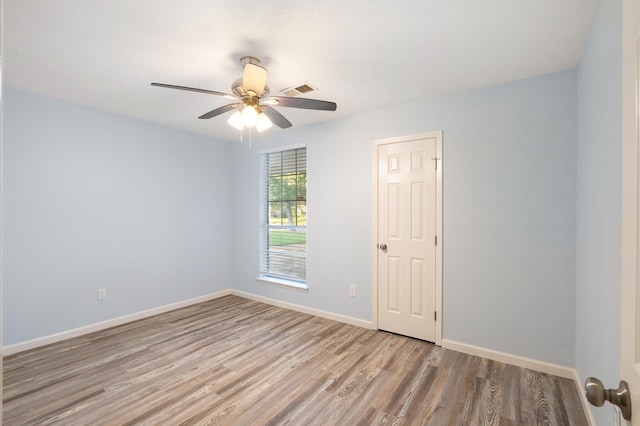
(263, 122)
(236, 120)
(249, 116)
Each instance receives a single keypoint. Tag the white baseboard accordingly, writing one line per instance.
(518, 361)
(306, 310)
(91, 328)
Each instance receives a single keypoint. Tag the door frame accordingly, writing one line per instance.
(630, 286)
(439, 209)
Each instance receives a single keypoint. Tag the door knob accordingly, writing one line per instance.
(597, 395)
(383, 247)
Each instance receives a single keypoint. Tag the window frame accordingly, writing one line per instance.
(263, 191)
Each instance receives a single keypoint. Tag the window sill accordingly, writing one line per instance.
(278, 282)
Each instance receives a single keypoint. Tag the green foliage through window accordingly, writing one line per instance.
(283, 237)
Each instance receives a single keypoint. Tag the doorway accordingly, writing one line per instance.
(408, 236)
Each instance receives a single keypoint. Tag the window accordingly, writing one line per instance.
(283, 227)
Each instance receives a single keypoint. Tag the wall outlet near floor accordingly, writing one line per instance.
(352, 290)
(102, 293)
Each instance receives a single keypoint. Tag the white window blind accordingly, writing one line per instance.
(283, 212)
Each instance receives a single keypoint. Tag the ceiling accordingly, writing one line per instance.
(362, 54)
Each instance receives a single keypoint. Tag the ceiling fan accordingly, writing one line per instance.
(254, 105)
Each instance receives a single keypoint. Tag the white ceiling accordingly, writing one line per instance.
(362, 54)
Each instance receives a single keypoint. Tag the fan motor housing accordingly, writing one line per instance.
(237, 89)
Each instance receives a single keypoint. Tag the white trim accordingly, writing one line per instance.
(409, 138)
(630, 231)
(586, 407)
(439, 233)
(374, 232)
(439, 230)
(91, 328)
(265, 225)
(2, 252)
(279, 282)
(282, 148)
(306, 310)
(518, 361)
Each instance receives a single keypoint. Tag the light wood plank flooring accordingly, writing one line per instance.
(239, 362)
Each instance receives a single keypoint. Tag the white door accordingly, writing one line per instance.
(408, 222)
(630, 300)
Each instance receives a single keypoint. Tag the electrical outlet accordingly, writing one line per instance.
(352, 290)
(102, 293)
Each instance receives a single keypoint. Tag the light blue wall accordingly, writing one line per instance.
(598, 239)
(509, 213)
(96, 200)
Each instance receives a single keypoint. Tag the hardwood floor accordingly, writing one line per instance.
(239, 362)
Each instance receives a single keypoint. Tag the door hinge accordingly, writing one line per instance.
(436, 240)
(436, 161)
(435, 315)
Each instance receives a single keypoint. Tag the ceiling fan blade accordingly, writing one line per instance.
(276, 118)
(254, 78)
(221, 110)
(193, 89)
(304, 103)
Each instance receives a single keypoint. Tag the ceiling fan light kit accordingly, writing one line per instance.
(249, 116)
(254, 105)
(263, 122)
(236, 120)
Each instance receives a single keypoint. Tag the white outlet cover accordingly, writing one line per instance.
(352, 290)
